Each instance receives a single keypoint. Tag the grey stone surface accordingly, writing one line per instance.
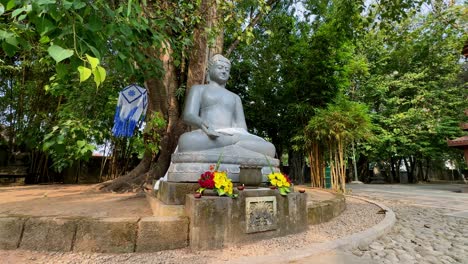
(230, 155)
(260, 214)
(108, 235)
(161, 209)
(48, 233)
(162, 233)
(430, 227)
(219, 221)
(188, 166)
(10, 232)
(173, 193)
(320, 253)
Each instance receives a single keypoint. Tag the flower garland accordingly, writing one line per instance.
(281, 181)
(216, 180)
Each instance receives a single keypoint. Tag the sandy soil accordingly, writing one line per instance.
(70, 200)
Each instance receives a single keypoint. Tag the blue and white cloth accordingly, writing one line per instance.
(132, 105)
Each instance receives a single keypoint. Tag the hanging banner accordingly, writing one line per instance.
(132, 105)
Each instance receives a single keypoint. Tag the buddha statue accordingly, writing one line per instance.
(218, 115)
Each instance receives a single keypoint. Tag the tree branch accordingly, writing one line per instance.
(252, 23)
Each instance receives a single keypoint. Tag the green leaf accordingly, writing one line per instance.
(12, 41)
(58, 53)
(80, 143)
(99, 75)
(67, 4)
(283, 191)
(78, 4)
(9, 49)
(5, 35)
(94, 50)
(93, 61)
(2, 9)
(10, 5)
(94, 23)
(47, 145)
(129, 8)
(17, 12)
(22, 17)
(44, 40)
(44, 26)
(45, 2)
(102, 73)
(85, 73)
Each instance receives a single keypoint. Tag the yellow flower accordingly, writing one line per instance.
(287, 184)
(279, 183)
(229, 188)
(271, 176)
(273, 182)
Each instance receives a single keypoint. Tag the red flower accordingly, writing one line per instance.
(207, 180)
(287, 178)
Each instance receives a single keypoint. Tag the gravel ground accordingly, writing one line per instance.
(358, 216)
(421, 235)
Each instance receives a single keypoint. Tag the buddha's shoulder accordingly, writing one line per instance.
(198, 87)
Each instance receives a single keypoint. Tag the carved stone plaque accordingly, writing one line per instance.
(260, 214)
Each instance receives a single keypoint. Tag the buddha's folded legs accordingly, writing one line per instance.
(197, 140)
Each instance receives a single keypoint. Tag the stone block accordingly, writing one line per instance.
(327, 211)
(209, 221)
(161, 209)
(173, 193)
(109, 235)
(464, 189)
(216, 222)
(10, 232)
(296, 215)
(49, 234)
(314, 214)
(162, 233)
(261, 214)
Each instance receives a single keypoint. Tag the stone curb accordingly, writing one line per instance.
(87, 234)
(118, 235)
(362, 238)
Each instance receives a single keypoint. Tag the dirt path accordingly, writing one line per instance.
(70, 200)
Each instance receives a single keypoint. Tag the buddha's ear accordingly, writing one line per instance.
(207, 73)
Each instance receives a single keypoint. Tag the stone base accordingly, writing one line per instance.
(188, 166)
(216, 222)
(173, 193)
(464, 189)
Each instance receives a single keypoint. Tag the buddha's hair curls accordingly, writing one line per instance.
(217, 57)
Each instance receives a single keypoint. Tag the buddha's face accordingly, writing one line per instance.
(219, 72)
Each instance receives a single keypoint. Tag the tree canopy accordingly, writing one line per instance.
(63, 62)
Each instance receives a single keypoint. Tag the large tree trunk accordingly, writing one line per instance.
(162, 99)
(296, 166)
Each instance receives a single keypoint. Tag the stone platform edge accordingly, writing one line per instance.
(352, 241)
(101, 235)
(118, 235)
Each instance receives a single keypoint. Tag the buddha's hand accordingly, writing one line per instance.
(209, 131)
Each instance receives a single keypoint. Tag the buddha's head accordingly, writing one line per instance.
(218, 69)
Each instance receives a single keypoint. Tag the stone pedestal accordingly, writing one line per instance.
(187, 166)
(173, 193)
(256, 214)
